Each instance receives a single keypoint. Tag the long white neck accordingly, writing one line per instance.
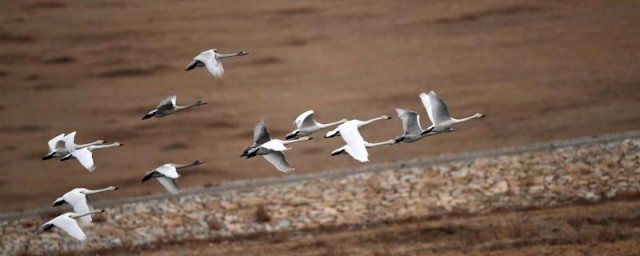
(97, 142)
(223, 55)
(94, 147)
(285, 142)
(75, 216)
(90, 192)
(363, 123)
(457, 121)
(334, 123)
(372, 145)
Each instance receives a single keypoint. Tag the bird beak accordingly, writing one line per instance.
(388, 117)
(116, 188)
(483, 115)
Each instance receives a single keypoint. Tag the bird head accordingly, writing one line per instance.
(480, 115)
(386, 117)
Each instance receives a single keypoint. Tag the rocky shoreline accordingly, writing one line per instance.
(555, 177)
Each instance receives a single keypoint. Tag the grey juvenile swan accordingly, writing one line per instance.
(306, 125)
(168, 106)
(260, 136)
(167, 174)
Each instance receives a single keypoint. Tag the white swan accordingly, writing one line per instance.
(211, 59)
(439, 114)
(306, 125)
(272, 151)
(168, 106)
(260, 136)
(84, 155)
(411, 126)
(57, 148)
(78, 198)
(348, 150)
(167, 174)
(67, 222)
(358, 123)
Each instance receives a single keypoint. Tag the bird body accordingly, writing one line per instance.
(84, 155)
(211, 59)
(307, 125)
(167, 174)
(356, 122)
(439, 113)
(272, 151)
(260, 136)
(67, 223)
(78, 198)
(57, 148)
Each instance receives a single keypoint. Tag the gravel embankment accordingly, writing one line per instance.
(536, 179)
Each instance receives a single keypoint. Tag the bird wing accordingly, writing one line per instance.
(168, 170)
(436, 108)
(69, 141)
(410, 120)
(277, 159)
(355, 142)
(260, 134)
(214, 66)
(56, 142)
(69, 225)
(85, 157)
(305, 119)
(169, 184)
(167, 103)
(81, 206)
(274, 145)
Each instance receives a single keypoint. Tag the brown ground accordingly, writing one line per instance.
(611, 228)
(540, 70)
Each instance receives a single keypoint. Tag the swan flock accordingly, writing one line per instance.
(63, 146)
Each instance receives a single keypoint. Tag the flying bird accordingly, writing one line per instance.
(67, 222)
(167, 174)
(57, 148)
(78, 198)
(411, 126)
(84, 155)
(307, 125)
(358, 123)
(439, 114)
(272, 150)
(211, 59)
(168, 106)
(346, 149)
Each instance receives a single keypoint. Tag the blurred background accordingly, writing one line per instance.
(540, 71)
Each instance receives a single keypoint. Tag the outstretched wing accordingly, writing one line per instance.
(355, 143)
(436, 108)
(277, 159)
(260, 134)
(168, 171)
(81, 206)
(214, 66)
(169, 184)
(167, 103)
(85, 157)
(305, 119)
(55, 142)
(69, 141)
(69, 225)
(410, 120)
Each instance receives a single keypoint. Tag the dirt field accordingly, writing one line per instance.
(540, 70)
(611, 228)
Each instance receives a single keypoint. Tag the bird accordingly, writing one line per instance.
(345, 149)
(358, 123)
(411, 126)
(167, 174)
(211, 59)
(306, 125)
(67, 222)
(57, 148)
(272, 150)
(168, 106)
(78, 198)
(439, 114)
(84, 155)
(260, 136)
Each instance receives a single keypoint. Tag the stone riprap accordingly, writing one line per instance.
(536, 179)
